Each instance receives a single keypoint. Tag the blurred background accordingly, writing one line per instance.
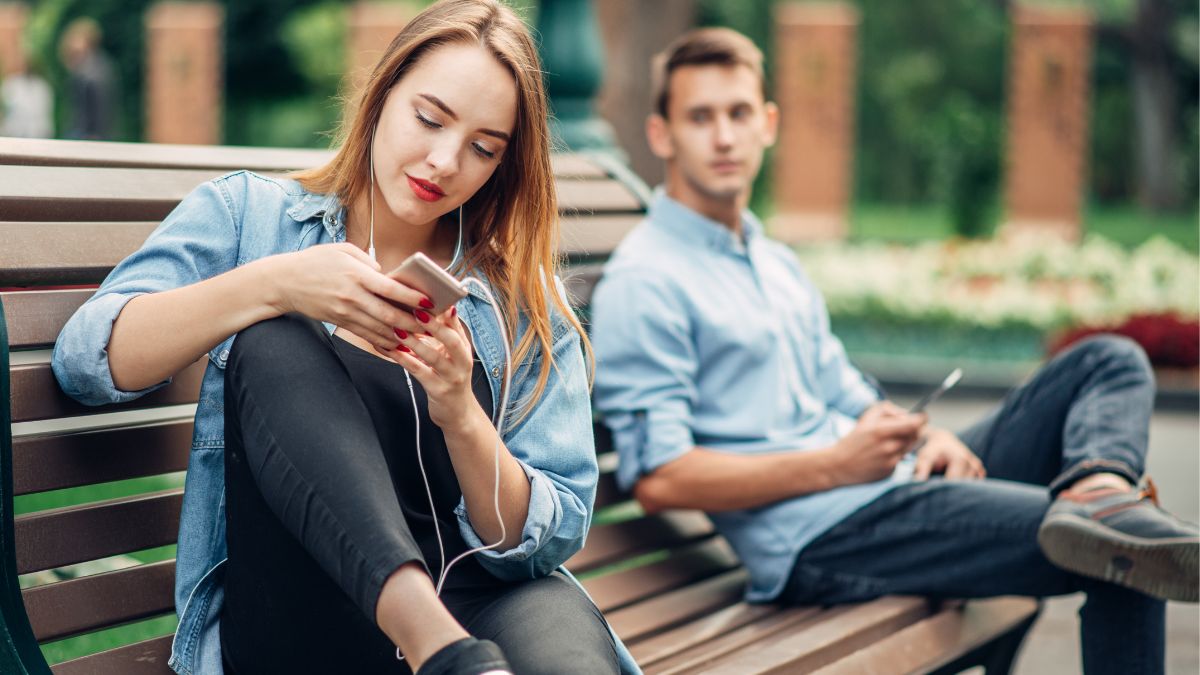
(971, 183)
(968, 180)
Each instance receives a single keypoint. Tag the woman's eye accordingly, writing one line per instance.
(427, 122)
(483, 152)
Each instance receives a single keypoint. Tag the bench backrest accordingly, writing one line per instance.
(69, 211)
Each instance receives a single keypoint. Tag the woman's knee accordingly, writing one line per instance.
(550, 626)
(278, 338)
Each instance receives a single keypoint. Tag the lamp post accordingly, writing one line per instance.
(573, 57)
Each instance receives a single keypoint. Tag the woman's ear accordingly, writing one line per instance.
(658, 135)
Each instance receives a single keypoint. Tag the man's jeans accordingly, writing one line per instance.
(1088, 410)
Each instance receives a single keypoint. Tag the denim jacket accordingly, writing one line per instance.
(239, 218)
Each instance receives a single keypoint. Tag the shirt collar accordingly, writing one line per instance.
(329, 207)
(684, 223)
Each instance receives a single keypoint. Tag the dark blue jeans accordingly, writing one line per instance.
(1086, 411)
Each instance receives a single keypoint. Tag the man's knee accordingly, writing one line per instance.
(1119, 350)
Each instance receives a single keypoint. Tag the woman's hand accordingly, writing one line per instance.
(439, 355)
(340, 284)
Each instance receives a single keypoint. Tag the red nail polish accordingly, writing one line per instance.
(423, 317)
(429, 334)
(453, 312)
(426, 303)
(402, 334)
(403, 349)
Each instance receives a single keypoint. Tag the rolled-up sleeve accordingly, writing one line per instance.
(554, 444)
(646, 371)
(199, 239)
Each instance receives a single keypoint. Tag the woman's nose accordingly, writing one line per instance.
(443, 159)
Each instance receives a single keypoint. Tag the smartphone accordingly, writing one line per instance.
(951, 380)
(422, 274)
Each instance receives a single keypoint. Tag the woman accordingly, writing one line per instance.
(344, 448)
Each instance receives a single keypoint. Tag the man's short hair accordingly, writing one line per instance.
(701, 47)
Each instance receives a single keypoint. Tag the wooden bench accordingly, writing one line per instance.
(69, 211)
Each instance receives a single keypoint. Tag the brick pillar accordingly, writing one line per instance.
(633, 32)
(183, 72)
(371, 27)
(1048, 118)
(814, 85)
(12, 27)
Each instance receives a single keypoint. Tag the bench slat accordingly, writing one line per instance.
(611, 543)
(36, 395)
(76, 606)
(35, 318)
(51, 194)
(74, 534)
(44, 253)
(927, 645)
(664, 611)
(38, 152)
(700, 562)
(54, 462)
(148, 657)
(822, 642)
(66, 253)
(684, 649)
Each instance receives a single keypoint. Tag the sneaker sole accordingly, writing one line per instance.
(1164, 568)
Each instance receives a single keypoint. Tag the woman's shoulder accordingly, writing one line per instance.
(248, 184)
(248, 194)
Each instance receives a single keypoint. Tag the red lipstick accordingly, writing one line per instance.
(424, 190)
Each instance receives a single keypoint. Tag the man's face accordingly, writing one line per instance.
(716, 130)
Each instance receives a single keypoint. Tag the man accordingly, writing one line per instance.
(726, 391)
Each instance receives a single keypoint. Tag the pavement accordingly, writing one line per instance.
(1052, 647)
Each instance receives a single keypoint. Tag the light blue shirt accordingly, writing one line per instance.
(706, 339)
(241, 217)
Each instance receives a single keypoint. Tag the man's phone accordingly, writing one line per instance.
(951, 380)
(422, 274)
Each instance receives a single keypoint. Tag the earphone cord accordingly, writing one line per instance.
(444, 568)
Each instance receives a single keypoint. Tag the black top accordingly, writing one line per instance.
(382, 385)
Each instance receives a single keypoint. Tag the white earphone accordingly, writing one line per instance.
(499, 419)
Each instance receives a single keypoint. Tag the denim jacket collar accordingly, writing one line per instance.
(332, 213)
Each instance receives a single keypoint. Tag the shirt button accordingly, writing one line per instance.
(496, 371)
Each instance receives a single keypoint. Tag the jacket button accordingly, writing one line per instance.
(496, 371)
(224, 354)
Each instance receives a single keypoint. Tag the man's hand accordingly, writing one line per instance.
(943, 453)
(871, 450)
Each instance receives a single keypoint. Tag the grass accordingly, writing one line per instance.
(1126, 225)
(70, 648)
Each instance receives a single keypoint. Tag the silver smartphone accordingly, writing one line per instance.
(422, 274)
(951, 380)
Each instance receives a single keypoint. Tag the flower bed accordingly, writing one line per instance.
(1010, 298)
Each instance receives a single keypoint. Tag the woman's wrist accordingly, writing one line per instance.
(471, 429)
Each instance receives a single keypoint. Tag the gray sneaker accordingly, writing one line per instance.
(1123, 537)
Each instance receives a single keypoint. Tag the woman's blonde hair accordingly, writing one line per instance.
(510, 225)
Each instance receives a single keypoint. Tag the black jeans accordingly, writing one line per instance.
(315, 525)
(1087, 410)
